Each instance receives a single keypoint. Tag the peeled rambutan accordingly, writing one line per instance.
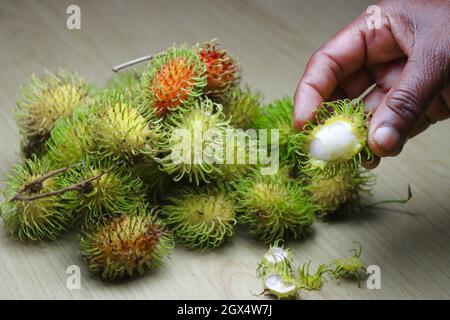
(122, 129)
(173, 79)
(274, 207)
(201, 218)
(127, 245)
(223, 72)
(44, 100)
(335, 140)
(341, 191)
(242, 107)
(40, 219)
(112, 188)
(190, 141)
(275, 270)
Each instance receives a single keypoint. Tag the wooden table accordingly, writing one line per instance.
(273, 40)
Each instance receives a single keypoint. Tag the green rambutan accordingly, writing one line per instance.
(223, 72)
(123, 130)
(242, 107)
(278, 116)
(173, 79)
(44, 100)
(341, 191)
(202, 218)
(112, 188)
(335, 140)
(71, 139)
(33, 219)
(127, 245)
(274, 207)
(190, 147)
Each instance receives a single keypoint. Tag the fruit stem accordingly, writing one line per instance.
(80, 186)
(133, 62)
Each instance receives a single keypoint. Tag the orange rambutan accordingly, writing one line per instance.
(173, 79)
(222, 71)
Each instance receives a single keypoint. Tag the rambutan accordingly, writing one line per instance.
(173, 79)
(191, 140)
(242, 107)
(25, 218)
(71, 139)
(44, 100)
(126, 81)
(274, 207)
(278, 116)
(127, 245)
(113, 188)
(341, 191)
(335, 140)
(223, 72)
(123, 130)
(201, 219)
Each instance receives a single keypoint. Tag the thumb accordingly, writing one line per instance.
(420, 82)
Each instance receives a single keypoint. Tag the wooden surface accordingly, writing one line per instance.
(273, 40)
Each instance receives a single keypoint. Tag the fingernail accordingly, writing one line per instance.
(387, 138)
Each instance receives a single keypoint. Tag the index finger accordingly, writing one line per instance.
(353, 47)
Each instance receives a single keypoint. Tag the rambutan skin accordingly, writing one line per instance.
(127, 245)
(44, 100)
(123, 129)
(278, 116)
(335, 194)
(201, 219)
(173, 79)
(117, 189)
(274, 207)
(223, 72)
(242, 107)
(33, 220)
(71, 139)
(193, 132)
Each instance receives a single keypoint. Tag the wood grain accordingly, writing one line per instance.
(273, 40)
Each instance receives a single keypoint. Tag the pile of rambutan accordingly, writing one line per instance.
(175, 152)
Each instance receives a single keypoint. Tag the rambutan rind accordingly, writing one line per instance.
(44, 100)
(127, 245)
(190, 141)
(173, 79)
(242, 107)
(202, 218)
(274, 207)
(33, 220)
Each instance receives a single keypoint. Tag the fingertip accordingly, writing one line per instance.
(385, 141)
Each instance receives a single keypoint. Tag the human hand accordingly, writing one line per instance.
(408, 58)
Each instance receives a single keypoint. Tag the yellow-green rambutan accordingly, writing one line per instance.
(71, 139)
(202, 218)
(274, 207)
(106, 188)
(127, 245)
(122, 129)
(242, 107)
(193, 145)
(223, 72)
(173, 79)
(44, 100)
(342, 191)
(335, 140)
(31, 219)
(278, 116)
